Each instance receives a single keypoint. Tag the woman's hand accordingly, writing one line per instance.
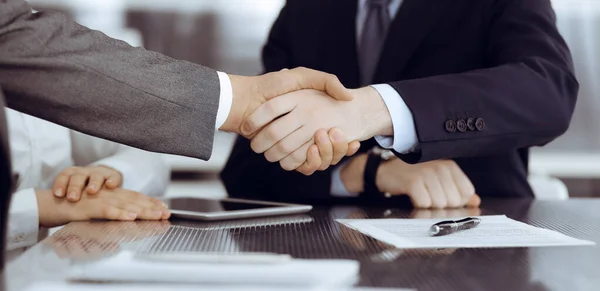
(73, 181)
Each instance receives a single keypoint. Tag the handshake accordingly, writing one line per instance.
(304, 119)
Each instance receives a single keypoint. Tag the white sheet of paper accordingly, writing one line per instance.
(495, 231)
(126, 267)
(66, 286)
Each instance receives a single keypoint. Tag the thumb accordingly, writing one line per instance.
(286, 81)
(328, 83)
(474, 201)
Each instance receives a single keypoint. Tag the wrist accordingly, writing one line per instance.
(374, 114)
(351, 174)
(239, 104)
(50, 213)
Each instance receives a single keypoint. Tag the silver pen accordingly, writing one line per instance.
(451, 226)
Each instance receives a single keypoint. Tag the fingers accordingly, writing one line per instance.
(111, 212)
(267, 113)
(76, 185)
(114, 179)
(451, 191)
(127, 205)
(340, 145)
(290, 144)
(463, 183)
(95, 183)
(419, 195)
(296, 159)
(313, 161)
(143, 213)
(436, 191)
(353, 148)
(325, 148)
(278, 132)
(60, 183)
(474, 201)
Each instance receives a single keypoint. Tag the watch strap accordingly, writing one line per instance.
(370, 175)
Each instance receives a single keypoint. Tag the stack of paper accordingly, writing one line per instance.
(64, 286)
(126, 267)
(495, 231)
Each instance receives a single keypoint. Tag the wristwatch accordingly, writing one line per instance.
(375, 157)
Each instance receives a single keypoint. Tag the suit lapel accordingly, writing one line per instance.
(412, 23)
(338, 41)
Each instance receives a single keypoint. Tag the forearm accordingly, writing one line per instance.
(83, 78)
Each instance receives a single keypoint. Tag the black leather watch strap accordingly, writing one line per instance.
(370, 174)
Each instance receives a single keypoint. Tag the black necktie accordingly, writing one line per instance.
(372, 38)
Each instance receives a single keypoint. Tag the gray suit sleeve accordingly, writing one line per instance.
(55, 69)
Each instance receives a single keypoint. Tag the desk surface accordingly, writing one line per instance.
(316, 235)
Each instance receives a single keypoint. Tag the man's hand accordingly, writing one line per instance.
(251, 92)
(301, 114)
(329, 149)
(72, 181)
(436, 184)
(111, 204)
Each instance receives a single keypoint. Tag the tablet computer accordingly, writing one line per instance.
(229, 208)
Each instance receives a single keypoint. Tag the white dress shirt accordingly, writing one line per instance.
(41, 150)
(405, 135)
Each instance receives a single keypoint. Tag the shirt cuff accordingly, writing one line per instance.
(23, 220)
(404, 139)
(338, 188)
(225, 99)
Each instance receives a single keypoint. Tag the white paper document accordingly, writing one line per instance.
(496, 231)
(66, 286)
(126, 267)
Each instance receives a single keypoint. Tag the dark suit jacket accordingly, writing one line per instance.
(501, 61)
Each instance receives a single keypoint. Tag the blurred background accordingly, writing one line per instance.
(228, 35)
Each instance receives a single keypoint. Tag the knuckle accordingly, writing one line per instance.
(110, 212)
(271, 133)
(271, 107)
(284, 147)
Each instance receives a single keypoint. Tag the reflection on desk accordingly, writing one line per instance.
(564, 268)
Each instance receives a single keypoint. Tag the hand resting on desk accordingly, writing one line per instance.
(436, 184)
(111, 204)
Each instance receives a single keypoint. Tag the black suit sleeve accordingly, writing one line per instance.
(525, 98)
(250, 175)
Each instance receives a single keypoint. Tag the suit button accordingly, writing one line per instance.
(479, 124)
(450, 126)
(461, 125)
(471, 123)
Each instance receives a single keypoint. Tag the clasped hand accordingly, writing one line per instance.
(304, 119)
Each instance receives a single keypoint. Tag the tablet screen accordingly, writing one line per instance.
(210, 205)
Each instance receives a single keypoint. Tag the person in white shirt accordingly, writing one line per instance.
(67, 176)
